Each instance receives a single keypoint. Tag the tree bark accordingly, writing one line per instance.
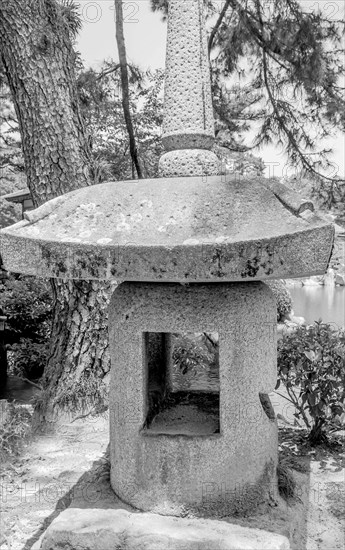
(39, 61)
(38, 57)
(75, 378)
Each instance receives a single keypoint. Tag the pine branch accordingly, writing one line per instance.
(109, 71)
(217, 25)
(258, 36)
(281, 120)
(292, 141)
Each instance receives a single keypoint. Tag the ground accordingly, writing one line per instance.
(67, 465)
(322, 469)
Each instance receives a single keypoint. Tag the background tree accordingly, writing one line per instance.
(120, 40)
(290, 65)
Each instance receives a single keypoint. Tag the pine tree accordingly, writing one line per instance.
(36, 41)
(289, 61)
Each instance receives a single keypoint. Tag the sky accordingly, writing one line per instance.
(145, 33)
(145, 37)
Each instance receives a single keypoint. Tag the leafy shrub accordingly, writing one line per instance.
(283, 298)
(28, 358)
(27, 303)
(311, 365)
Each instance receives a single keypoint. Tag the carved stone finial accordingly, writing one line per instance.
(188, 127)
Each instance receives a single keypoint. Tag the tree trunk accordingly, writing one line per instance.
(317, 436)
(75, 378)
(39, 61)
(38, 57)
(120, 40)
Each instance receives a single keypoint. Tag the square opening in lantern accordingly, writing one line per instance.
(182, 381)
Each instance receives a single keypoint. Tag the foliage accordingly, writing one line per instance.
(15, 427)
(101, 107)
(283, 298)
(27, 303)
(28, 358)
(11, 155)
(311, 365)
(286, 480)
(191, 351)
(239, 163)
(312, 188)
(71, 16)
(277, 73)
(12, 176)
(100, 98)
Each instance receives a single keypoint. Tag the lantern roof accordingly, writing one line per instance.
(172, 229)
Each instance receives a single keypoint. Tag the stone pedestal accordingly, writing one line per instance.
(191, 462)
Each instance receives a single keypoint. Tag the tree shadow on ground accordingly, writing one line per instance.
(92, 490)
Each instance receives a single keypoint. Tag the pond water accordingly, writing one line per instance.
(315, 302)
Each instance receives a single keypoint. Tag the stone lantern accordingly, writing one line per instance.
(192, 250)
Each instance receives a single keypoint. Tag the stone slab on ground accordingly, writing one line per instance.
(95, 529)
